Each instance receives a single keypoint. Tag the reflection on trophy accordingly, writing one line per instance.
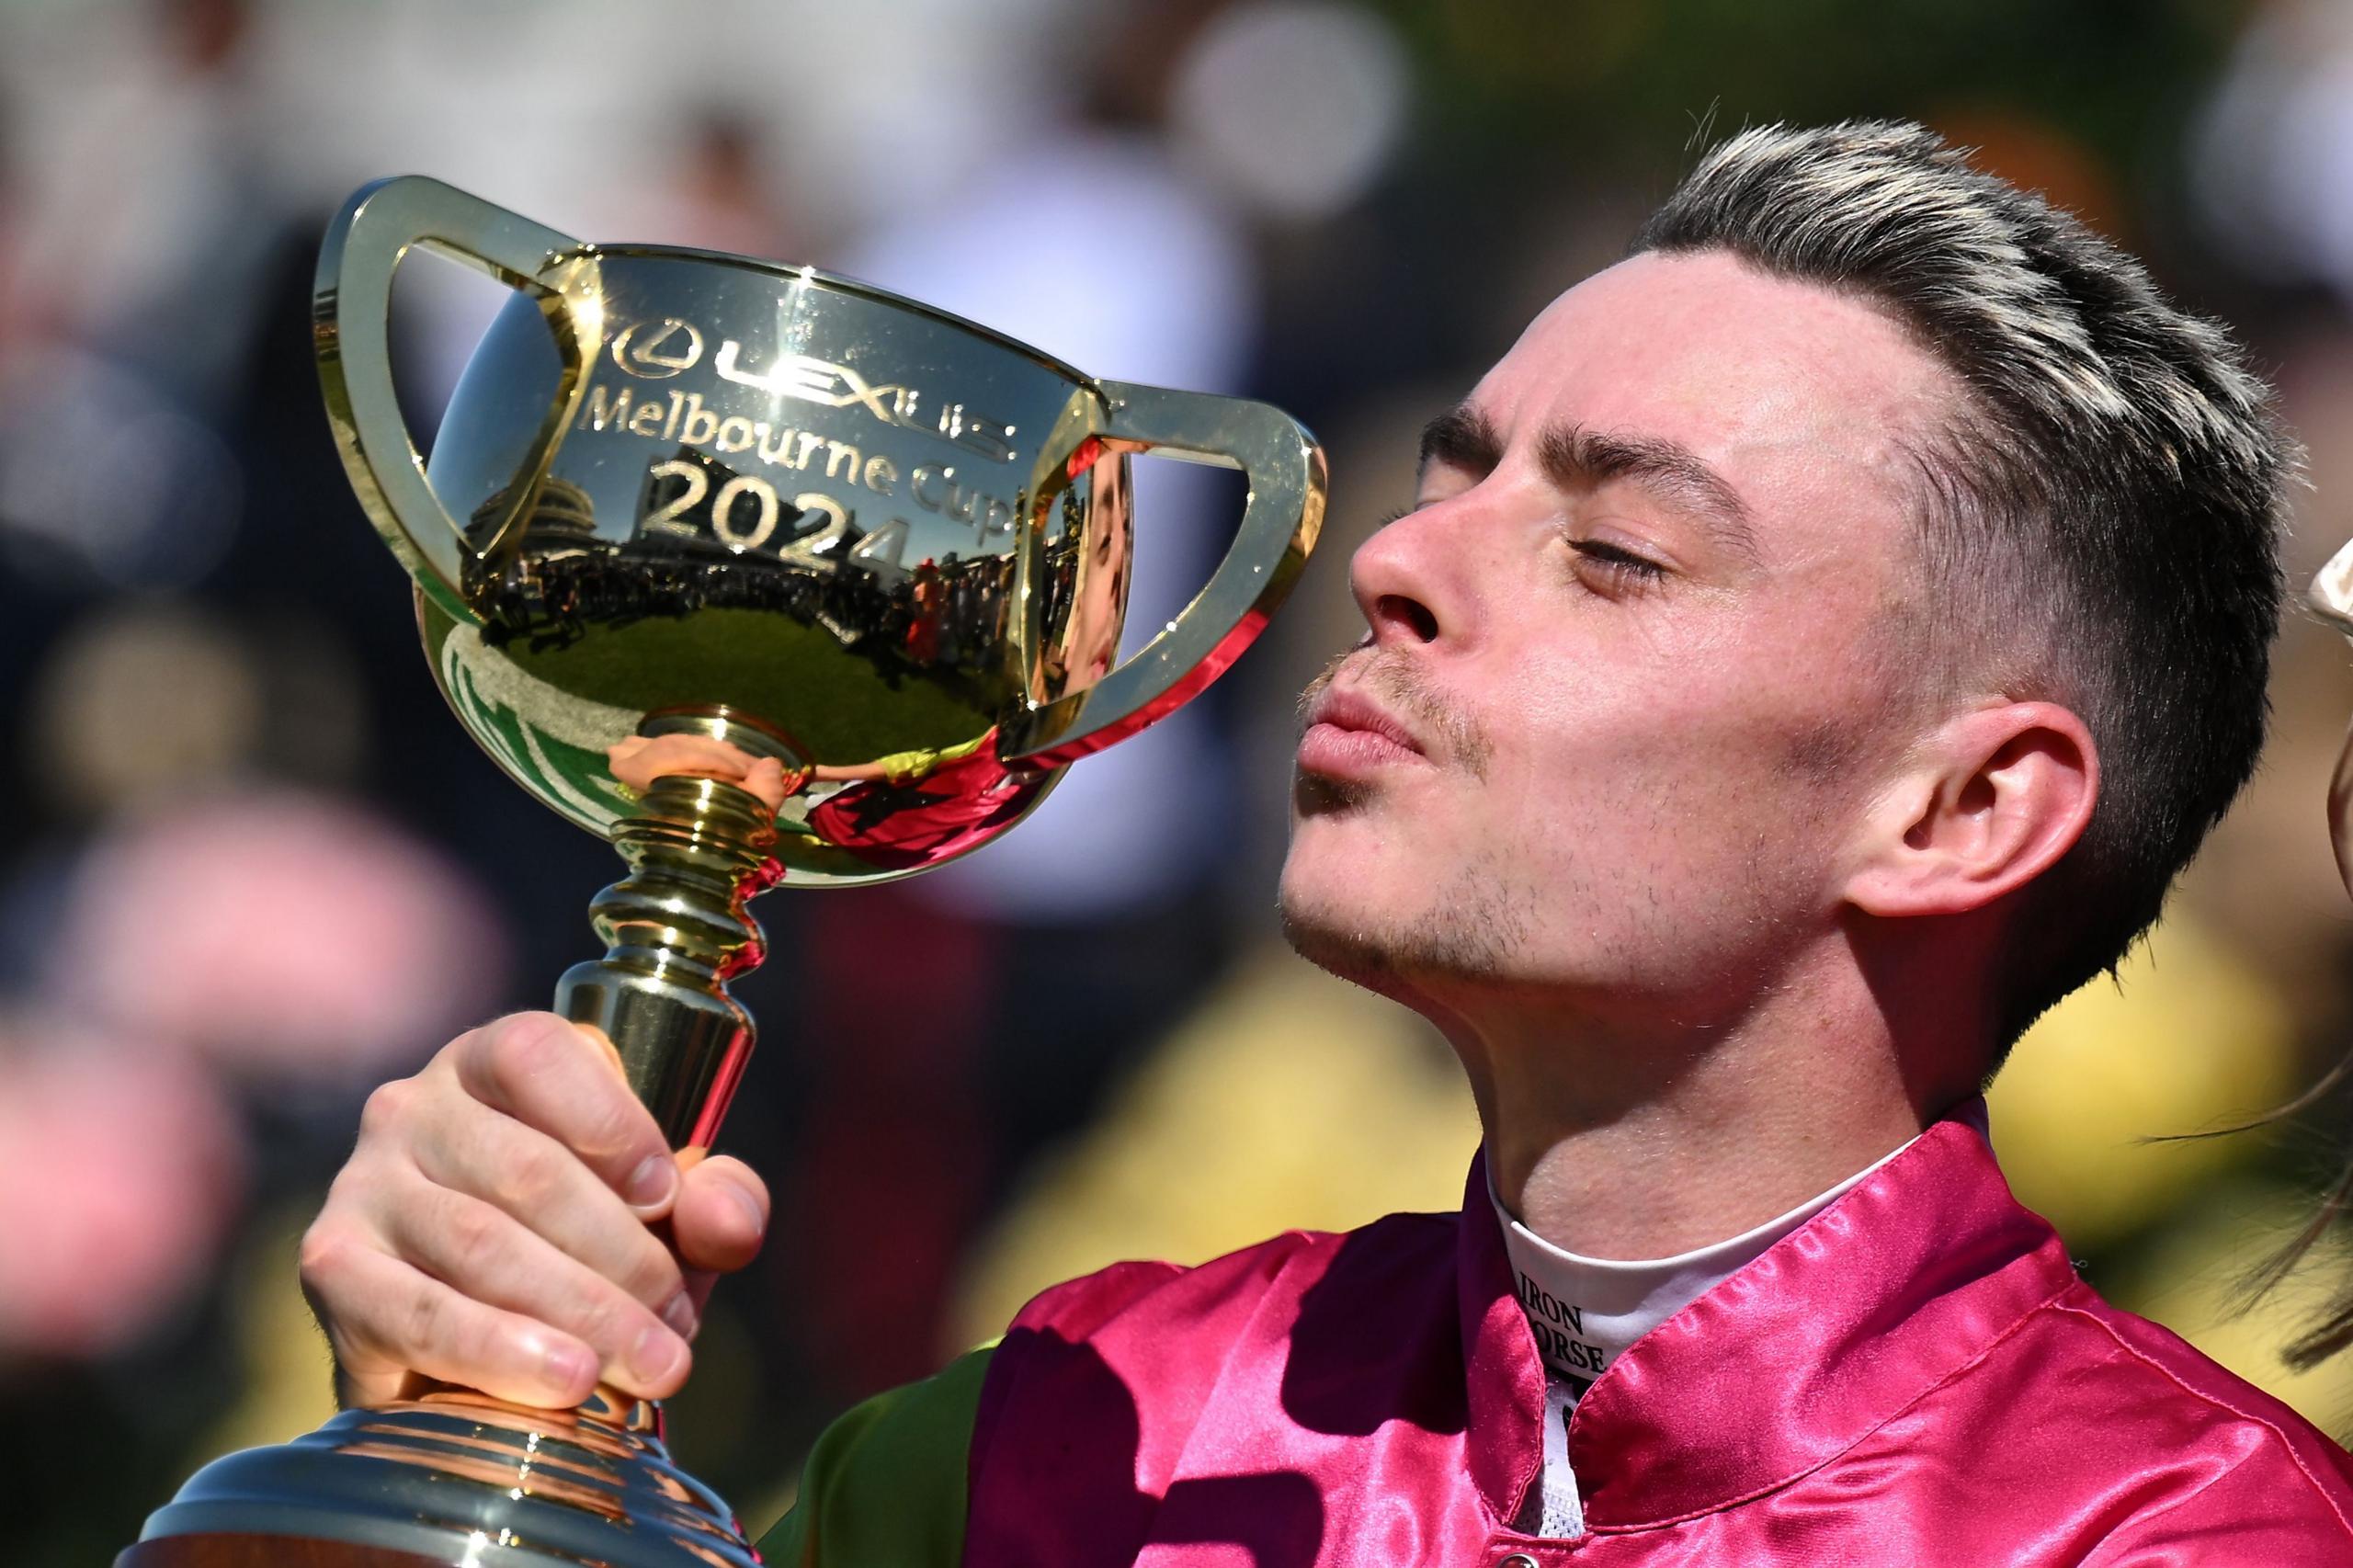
(858, 570)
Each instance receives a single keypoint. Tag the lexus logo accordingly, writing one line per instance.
(655, 350)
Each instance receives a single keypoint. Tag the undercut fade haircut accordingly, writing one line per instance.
(2098, 523)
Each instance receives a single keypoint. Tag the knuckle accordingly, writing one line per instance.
(535, 1023)
(323, 1259)
(387, 1107)
(522, 1048)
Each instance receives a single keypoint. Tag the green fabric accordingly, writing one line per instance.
(884, 1486)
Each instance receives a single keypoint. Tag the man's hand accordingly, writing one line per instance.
(638, 762)
(491, 1228)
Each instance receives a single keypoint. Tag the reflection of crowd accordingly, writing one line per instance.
(1061, 578)
(952, 609)
(943, 613)
(552, 600)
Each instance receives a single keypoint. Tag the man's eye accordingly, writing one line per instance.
(1622, 564)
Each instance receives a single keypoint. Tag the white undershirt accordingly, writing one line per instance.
(1587, 1310)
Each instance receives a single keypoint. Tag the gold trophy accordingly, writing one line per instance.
(679, 497)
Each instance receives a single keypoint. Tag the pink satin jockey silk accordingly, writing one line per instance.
(1914, 1377)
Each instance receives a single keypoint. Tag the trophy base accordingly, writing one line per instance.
(452, 1479)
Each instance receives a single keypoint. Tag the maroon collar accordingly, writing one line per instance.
(1801, 1353)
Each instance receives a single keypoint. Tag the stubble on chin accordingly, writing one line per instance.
(1470, 932)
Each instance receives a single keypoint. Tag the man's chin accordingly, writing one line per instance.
(1342, 946)
(1342, 911)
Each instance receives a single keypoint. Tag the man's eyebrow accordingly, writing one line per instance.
(1464, 439)
(1576, 458)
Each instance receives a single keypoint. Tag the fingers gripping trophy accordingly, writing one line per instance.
(768, 577)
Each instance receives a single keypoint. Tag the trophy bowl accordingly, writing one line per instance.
(770, 577)
(790, 511)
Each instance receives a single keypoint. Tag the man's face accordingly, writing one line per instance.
(1635, 641)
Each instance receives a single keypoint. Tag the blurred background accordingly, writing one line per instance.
(252, 867)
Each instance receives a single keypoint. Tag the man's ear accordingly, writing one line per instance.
(1980, 808)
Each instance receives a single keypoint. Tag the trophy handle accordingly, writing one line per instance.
(350, 318)
(1284, 512)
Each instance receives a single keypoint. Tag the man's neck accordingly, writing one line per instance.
(1616, 1144)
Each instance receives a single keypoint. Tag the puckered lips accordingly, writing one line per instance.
(1349, 735)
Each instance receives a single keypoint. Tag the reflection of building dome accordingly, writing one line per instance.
(563, 509)
(562, 513)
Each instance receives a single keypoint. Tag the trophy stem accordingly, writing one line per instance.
(676, 930)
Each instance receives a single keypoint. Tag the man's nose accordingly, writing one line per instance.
(1403, 579)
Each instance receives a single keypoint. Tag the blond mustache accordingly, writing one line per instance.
(1393, 676)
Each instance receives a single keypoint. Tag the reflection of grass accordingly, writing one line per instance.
(797, 676)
